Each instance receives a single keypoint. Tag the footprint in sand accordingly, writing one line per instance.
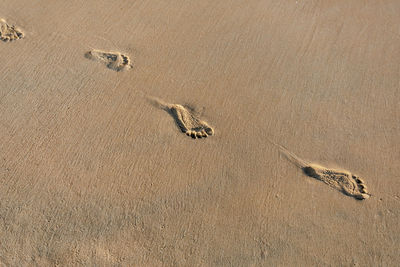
(187, 120)
(113, 60)
(9, 33)
(341, 180)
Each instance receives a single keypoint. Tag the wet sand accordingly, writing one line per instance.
(92, 172)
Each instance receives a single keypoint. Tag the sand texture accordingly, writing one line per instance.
(105, 106)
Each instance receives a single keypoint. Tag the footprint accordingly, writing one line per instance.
(341, 180)
(187, 120)
(113, 60)
(344, 181)
(9, 33)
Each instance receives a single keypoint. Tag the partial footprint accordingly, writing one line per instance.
(341, 180)
(187, 121)
(9, 33)
(113, 60)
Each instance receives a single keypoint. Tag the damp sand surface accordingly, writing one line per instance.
(94, 172)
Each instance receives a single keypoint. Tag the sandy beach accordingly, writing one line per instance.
(199, 133)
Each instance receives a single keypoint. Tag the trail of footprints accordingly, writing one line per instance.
(190, 124)
(8, 32)
(341, 180)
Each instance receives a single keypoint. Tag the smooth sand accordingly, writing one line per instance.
(92, 173)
